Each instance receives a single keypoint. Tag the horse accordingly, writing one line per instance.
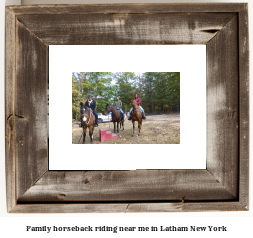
(116, 117)
(88, 120)
(136, 115)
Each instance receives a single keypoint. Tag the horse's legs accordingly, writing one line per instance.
(139, 126)
(133, 128)
(118, 127)
(91, 134)
(84, 134)
(114, 126)
(123, 125)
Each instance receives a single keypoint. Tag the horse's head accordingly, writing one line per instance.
(84, 112)
(108, 108)
(134, 103)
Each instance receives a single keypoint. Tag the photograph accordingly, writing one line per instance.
(168, 83)
(141, 106)
(126, 107)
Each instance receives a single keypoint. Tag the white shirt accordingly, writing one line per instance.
(90, 102)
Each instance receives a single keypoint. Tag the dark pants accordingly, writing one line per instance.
(96, 116)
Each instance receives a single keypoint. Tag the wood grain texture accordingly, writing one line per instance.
(139, 185)
(154, 8)
(186, 207)
(131, 29)
(223, 186)
(129, 207)
(222, 107)
(10, 64)
(244, 106)
(30, 108)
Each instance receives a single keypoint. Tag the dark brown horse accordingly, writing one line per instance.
(136, 116)
(88, 120)
(116, 117)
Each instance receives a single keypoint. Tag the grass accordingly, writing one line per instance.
(157, 129)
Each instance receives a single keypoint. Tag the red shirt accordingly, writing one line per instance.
(138, 100)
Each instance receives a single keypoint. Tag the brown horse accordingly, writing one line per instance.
(136, 116)
(116, 117)
(88, 120)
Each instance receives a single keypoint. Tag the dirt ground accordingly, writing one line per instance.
(156, 129)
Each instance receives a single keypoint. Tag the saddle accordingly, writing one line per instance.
(120, 113)
(136, 110)
(90, 111)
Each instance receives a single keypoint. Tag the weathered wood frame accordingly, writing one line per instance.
(222, 186)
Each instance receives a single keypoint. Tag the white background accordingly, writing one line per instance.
(239, 223)
(189, 60)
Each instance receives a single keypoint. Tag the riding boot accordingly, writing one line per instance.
(80, 125)
(143, 115)
(96, 122)
(129, 118)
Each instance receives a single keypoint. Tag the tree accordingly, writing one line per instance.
(158, 90)
(76, 96)
(126, 83)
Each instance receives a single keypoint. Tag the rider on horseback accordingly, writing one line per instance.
(118, 105)
(92, 105)
(138, 100)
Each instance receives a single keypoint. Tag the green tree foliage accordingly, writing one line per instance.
(126, 84)
(76, 96)
(159, 91)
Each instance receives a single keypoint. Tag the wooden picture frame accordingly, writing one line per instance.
(222, 186)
